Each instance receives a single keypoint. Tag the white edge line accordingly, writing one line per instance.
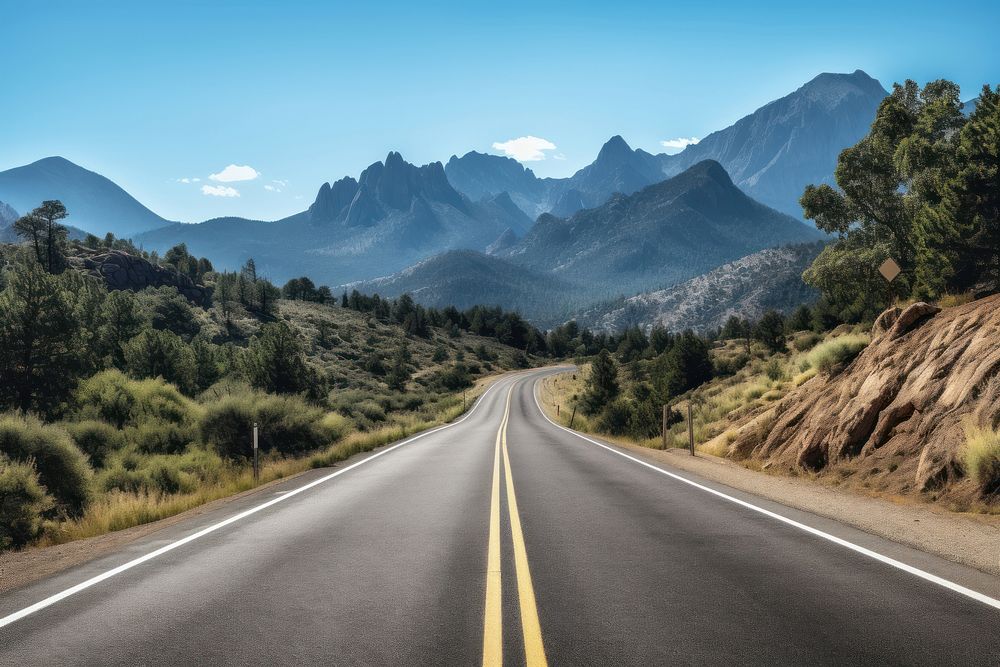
(933, 578)
(51, 600)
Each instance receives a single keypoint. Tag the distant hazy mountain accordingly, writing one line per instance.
(662, 234)
(747, 288)
(463, 278)
(772, 154)
(776, 151)
(95, 204)
(617, 168)
(393, 215)
(970, 107)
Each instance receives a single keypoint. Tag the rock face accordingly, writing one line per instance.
(122, 271)
(894, 418)
(748, 287)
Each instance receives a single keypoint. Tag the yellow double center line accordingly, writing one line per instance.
(534, 651)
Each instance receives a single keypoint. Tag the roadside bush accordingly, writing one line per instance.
(23, 504)
(113, 397)
(287, 424)
(164, 474)
(806, 341)
(838, 352)
(158, 436)
(981, 458)
(731, 365)
(644, 421)
(774, 371)
(371, 410)
(96, 439)
(62, 468)
(614, 418)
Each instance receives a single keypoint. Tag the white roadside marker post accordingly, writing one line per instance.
(690, 430)
(256, 462)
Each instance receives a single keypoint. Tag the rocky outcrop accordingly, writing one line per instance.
(894, 419)
(122, 271)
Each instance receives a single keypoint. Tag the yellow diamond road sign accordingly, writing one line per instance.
(889, 269)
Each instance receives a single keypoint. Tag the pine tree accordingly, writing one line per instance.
(602, 383)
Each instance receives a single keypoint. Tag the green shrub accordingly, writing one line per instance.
(62, 468)
(23, 504)
(644, 421)
(155, 353)
(731, 365)
(96, 439)
(837, 352)
(981, 458)
(163, 474)
(113, 397)
(371, 410)
(614, 418)
(806, 341)
(774, 371)
(157, 436)
(287, 424)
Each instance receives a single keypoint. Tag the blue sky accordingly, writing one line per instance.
(151, 93)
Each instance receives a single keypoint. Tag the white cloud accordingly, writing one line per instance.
(188, 180)
(525, 149)
(559, 156)
(219, 191)
(276, 185)
(272, 188)
(679, 143)
(235, 172)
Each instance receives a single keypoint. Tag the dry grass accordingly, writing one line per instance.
(981, 458)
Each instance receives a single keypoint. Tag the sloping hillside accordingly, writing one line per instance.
(750, 286)
(464, 278)
(900, 416)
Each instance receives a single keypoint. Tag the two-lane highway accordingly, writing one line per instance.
(502, 539)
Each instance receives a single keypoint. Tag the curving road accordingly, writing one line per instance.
(505, 539)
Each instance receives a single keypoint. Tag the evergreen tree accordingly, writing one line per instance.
(274, 360)
(602, 384)
(39, 343)
(770, 331)
(685, 366)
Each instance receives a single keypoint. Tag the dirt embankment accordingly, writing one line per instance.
(894, 420)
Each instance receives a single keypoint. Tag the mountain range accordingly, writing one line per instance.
(771, 154)
(95, 203)
(661, 235)
(393, 215)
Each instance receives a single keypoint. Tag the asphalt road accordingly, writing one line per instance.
(418, 556)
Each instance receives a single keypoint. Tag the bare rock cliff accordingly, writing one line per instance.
(894, 419)
(120, 271)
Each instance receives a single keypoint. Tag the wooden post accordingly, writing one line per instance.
(572, 417)
(666, 414)
(557, 409)
(464, 407)
(690, 430)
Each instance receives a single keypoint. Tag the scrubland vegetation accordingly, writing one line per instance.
(123, 407)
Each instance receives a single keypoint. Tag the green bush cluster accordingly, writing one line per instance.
(287, 425)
